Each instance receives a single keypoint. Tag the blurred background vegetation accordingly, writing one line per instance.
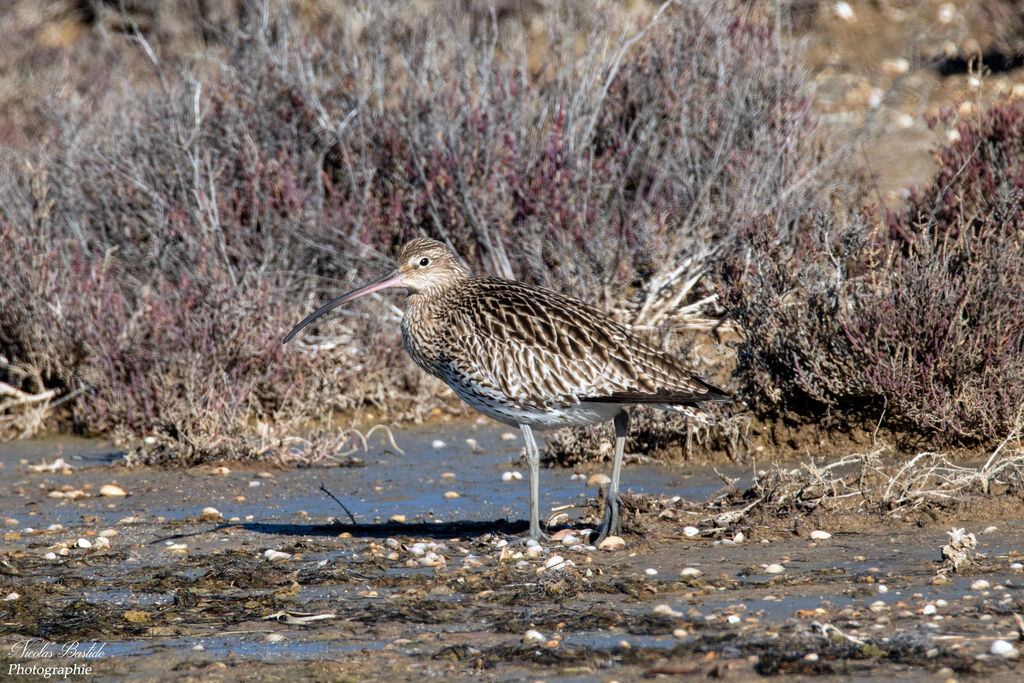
(820, 203)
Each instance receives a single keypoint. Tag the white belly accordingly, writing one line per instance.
(508, 412)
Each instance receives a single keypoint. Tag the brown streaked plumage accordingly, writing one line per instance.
(527, 356)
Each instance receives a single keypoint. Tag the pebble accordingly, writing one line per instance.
(774, 568)
(612, 543)
(690, 531)
(210, 514)
(811, 657)
(534, 552)
(665, 611)
(447, 475)
(882, 588)
(1017, 565)
(512, 476)
(1001, 648)
(598, 480)
(437, 444)
(533, 637)
(689, 572)
(83, 543)
(555, 562)
(990, 530)
(112, 490)
(50, 556)
(819, 535)
(508, 436)
(253, 484)
(929, 609)
(732, 619)
(980, 585)
(570, 541)
(10, 521)
(738, 538)
(451, 494)
(397, 519)
(221, 470)
(651, 571)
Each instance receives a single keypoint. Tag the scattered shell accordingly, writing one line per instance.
(738, 538)
(512, 476)
(253, 484)
(555, 562)
(50, 556)
(733, 619)
(149, 440)
(112, 490)
(561, 534)
(680, 633)
(980, 585)
(102, 542)
(929, 609)
(221, 470)
(1017, 565)
(896, 66)
(811, 657)
(447, 475)
(651, 571)
(10, 521)
(1001, 648)
(990, 530)
(473, 445)
(210, 514)
(570, 540)
(612, 543)
(534, 552)
(665, 611)
(83, 543)
(276, 555)
(508, 436)
(882, 588)
(451, 494)
(844, 11)
(774, 568)
(438, 444)
(598, 480)
(690, 531)
(57, 465)
(12, 596)
(532, 637)
(819, 535)
(690, 572)
(397, 519)
(274, 638)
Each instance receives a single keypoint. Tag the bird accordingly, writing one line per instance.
(529, 357)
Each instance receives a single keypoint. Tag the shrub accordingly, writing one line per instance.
(914, 317)
(166, 238)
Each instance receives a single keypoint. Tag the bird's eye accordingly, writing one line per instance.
(424, 262)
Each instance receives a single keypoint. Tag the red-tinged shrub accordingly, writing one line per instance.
(919, 322)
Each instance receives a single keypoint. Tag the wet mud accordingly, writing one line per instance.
(278, 583)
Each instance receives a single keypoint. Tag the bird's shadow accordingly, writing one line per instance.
(456, 529)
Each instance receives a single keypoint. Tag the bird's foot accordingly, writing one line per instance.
(525, 540)
(610, 522)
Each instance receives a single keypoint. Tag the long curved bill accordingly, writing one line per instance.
(392, 279)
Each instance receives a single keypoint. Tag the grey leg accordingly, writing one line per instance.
(533, 462)
(610, 521)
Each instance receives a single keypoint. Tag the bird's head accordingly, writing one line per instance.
(424, 266)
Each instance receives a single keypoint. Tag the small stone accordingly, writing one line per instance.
(534, 553)
(55, 494)
(1017, 565)
(665, 611)
(112, 490)
(882, 588)
(733, 619)
(397, 519)
(83, 543)
(437, 444)
(210, 514)
(149, 440)
(844, 12)
(651, 571)
(508, 436)
(276, 555)
(447, 475)
(451, 494)
(612, 543)
(554, 562)
(980, 585)
(680, 633)
(1001, 648)
(512, 476)
(774, 568)
(254, 484)
(598, 480)
(10, 521)
(929, 610)
(50, 556)
(222, 470)
(690, 572)
(990, 530)
(690, 531)
(533, 637)
(811, 657)
(570, 541)
(819, 535)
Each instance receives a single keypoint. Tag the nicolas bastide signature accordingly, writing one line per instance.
(35, 648)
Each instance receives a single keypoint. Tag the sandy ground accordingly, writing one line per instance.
(454, 593)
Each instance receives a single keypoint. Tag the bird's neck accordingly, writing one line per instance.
(423, 324)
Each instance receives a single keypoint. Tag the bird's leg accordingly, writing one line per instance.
(533, 462)
(610, 521)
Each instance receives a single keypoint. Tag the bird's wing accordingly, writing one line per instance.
(541, 348)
